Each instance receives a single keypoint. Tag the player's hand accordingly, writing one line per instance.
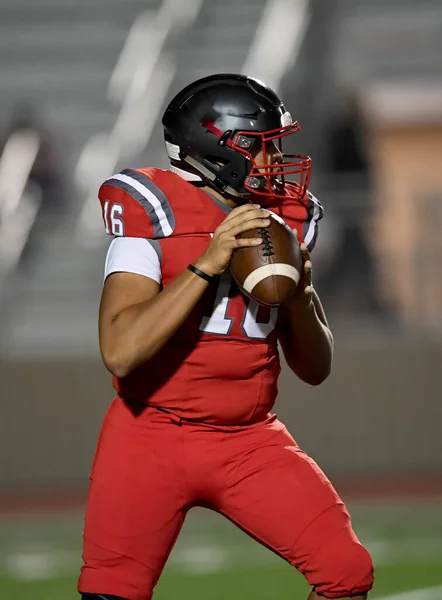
(303, 295)
(216, 258)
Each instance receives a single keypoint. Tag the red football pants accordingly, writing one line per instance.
(150, 468)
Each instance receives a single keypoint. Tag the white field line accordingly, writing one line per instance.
(412, 550)
(33, 563)
(431, 593)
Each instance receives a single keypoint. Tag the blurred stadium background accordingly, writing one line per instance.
(83, 85)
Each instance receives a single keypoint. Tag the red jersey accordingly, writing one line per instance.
(222, 365)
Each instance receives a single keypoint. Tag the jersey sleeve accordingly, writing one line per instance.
(133, 205)
(315, 212)
(134, 255)
(301, 214)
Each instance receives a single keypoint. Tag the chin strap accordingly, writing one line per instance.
(201, 168)
(213, 179)
(208, 175)
(186, 175)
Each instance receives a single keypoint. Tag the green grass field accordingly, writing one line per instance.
(40, 556)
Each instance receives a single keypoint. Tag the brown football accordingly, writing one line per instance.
(268, 273)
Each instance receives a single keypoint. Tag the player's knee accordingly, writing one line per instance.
(346, 569)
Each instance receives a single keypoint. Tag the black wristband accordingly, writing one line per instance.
(200, 273)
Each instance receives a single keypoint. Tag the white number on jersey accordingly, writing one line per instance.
(116, 225)
(255, 330)
(219, 323)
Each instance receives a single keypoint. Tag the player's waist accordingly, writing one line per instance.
(193, 395)
(212, 382)
(124, 411)
(180, 417)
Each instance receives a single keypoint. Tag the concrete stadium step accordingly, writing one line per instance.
(218, 41)
(20, 11)
(54, 76)
(60, 54)
(104, 31)
(382, 39)
(57, 296)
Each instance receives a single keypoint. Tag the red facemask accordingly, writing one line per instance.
(268, 179)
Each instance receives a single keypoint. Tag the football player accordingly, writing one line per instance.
(195, 362)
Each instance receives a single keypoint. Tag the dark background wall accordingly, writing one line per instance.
(380, 413)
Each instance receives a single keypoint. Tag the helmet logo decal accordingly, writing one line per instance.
(173, 151)
(286, 119)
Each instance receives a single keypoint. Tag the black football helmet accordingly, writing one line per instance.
(216, 126)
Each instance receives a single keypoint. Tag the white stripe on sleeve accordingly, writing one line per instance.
(312, 231)
(150, 198)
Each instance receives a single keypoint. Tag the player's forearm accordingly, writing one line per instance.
(307, 342)
(140, 331)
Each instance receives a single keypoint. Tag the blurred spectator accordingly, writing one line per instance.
(49, 169)
(346, 147)
(350, 281)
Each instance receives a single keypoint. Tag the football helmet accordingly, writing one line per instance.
(215, 127)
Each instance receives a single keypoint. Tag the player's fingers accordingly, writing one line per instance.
(308, 272)
(239, 210)
(243, 217)
(304, 251)
(244, 242)
(247, 225)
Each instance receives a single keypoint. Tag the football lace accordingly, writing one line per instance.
(267, 242)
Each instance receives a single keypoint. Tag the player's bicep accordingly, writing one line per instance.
(132, 275)
(122, 293)
(122, 290)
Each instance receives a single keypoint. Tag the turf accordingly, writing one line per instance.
(40, 556)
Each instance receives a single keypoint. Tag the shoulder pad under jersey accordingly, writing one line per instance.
(155, 203)
(134, 205)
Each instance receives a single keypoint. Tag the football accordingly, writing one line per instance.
(268, 273)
